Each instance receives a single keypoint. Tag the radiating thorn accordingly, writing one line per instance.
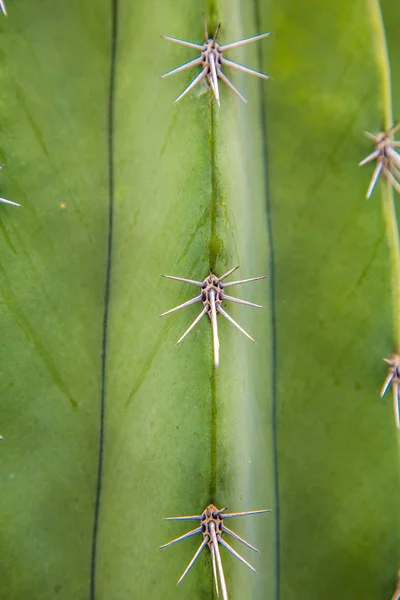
(240, 67)
(393, 378)
(238, 538)
(249, 40)
(228, 273)
(219, 561)
(192, 281)
(188, 65)
(182, 537)
(393, 130)
(214, 566)
(216, 32)
(1, 166)
(370, 157)
(211, 83)
(239, 301)
(392, 180)
(236, 554)
(214, 328)
(189, 329)
(182, 42)
(396, 594)
(204, 26)
(396, 402)
(214, 78)
(229, 318)
(195, 557)
(230, 84)
(219, 512)
(9, 202)
(188, 518)
(386, 383)
(3, 7)
(188, 303)
(375, 176)
(395, 156)
(195, 81)
(372, 137)
(395, 171)
(244, 281)
(247, 513)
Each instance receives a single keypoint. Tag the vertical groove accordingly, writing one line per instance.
(212, 259)
(212, 264)
(273, 307)
(213, 439)
(213, 248)
(107, 290)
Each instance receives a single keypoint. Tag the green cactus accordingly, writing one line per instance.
(109, 426)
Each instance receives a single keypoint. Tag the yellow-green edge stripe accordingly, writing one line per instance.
(389, 209)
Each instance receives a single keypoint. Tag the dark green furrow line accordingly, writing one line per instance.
(213, 439)
(272, 311)
(107, 291)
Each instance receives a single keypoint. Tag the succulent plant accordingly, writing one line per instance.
(108, 426)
